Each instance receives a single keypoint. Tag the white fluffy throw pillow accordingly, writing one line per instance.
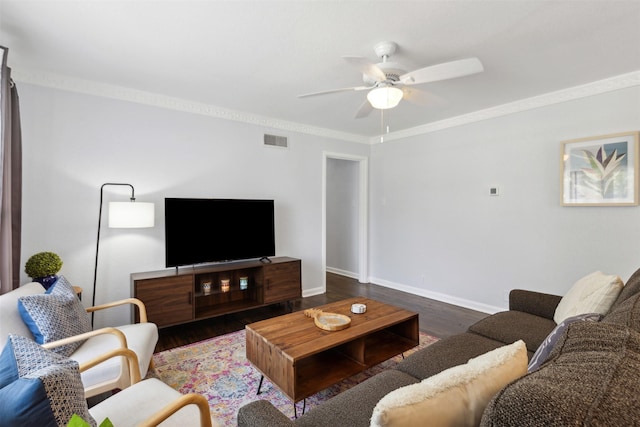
(594, 293)
(455, 397)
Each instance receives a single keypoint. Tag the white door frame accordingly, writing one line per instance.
(363, 213)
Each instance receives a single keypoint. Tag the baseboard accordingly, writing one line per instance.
(449, 299)
(345, 273)
(313, 291)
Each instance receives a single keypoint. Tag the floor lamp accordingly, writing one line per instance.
(129, 214)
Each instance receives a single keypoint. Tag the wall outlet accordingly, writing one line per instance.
(494, 191)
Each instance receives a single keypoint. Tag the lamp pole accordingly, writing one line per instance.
(95, 269)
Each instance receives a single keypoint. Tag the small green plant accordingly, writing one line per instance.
(77, 421)
(43, 264)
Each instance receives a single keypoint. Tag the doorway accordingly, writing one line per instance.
(345, 216)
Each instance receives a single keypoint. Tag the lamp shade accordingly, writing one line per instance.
(385, 97)
(131, 215)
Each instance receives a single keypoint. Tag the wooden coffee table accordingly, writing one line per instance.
(302, 359)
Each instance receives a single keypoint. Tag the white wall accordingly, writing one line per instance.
(435, 230)
(342, 216)
(74, 143)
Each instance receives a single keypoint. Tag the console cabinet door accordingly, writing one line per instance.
(282, 281)
(169, 300)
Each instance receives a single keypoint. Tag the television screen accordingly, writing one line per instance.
(199, 231)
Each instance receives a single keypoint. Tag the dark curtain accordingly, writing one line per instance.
(11, 182)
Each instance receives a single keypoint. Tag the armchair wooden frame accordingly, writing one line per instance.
(142, 310)
(142, 315)
(167, 410)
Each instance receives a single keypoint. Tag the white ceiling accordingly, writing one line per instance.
(256, 57)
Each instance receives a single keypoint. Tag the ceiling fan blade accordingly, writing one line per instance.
(421, 98)
(444, 71)
(345, 89)
(364, 110)
(366, 67)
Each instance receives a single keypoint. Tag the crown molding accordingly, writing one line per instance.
(87, 87)
(121, 93)
(594, 88)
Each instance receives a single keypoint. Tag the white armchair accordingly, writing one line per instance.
(141, 338)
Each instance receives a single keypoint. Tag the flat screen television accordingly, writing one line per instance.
(199, 231)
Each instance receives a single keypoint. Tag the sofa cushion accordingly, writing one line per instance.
(510, 326)
(47, 389)
(627, 313)
(543, 352)
(353, 407)
(594, 293)
(55, 315)
(590, 379)
(446, 353)
(456, 396)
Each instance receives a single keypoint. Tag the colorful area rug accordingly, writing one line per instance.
(218, 369)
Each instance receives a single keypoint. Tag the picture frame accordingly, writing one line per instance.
(600, 170)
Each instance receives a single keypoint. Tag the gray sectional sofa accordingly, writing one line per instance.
(590, 377)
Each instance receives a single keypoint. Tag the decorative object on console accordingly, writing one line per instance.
(244, 283)
(206, 287)
(224, 285)
(328, 321)
(122, 215)
(43, 267)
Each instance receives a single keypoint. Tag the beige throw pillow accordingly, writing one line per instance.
(456, 396)
(594, 293)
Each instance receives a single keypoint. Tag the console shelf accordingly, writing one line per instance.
(180, 296)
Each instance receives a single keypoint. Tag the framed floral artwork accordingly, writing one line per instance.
(600, 170)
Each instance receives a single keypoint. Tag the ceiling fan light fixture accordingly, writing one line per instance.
(385, 97)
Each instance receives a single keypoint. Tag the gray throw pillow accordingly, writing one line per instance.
(542, 353)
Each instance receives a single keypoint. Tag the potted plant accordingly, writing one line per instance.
(43, 268)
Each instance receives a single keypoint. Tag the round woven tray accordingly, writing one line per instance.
(332, 321)
(328, 321)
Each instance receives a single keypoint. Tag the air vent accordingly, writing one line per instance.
(275, 141)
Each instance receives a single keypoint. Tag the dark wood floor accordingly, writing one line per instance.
(436, 318)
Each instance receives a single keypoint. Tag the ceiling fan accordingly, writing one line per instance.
(388, 82)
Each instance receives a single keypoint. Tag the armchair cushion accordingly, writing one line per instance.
(55, 315)
(141, 338)
(46, 387)
(133, 405)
